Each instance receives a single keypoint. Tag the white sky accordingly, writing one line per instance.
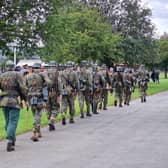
(160, 14)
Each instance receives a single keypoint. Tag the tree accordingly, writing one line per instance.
(78, 33)
(133, 22)
(19, 22)
(163, 48)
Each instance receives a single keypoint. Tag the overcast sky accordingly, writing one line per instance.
(160, 14)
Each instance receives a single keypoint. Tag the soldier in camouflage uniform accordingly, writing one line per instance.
(128, 86)
(36, 81)
(13, 92)
(85, 88)
(54, 94)
(118, 84)
(69, 91)
(97, 86)
(107, 84)
(143, 80)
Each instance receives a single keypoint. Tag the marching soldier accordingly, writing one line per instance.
(107, 84)
(118, 84)
(97, 85)
(128, 87)
(69, 91)
(143, 80)
(13, 92)
(35, 82)
(85, 88)
(53, 94)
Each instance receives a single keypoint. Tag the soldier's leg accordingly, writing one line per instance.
(38, 119)
(71, 102)
(35, 123)
(6, 116)
(129, 98)
(140, 94)
(95, 103)
(64, 105)
(12, 116)
(88, 102)
(125, 97)
(144, 97)
(105, 100)
(120, 99)
(115, 97)
(81, 103)
(54, 109)
(101, 99)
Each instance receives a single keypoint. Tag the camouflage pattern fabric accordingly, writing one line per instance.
(85, 90)
(35, 82)
(12, 87)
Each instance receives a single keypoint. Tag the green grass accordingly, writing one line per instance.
(25, 122)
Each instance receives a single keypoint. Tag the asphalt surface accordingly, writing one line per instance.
(128, 137)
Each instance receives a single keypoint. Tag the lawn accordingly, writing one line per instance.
(25, 122)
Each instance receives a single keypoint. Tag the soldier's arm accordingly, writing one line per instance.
(90, 79)
(76, 81)
(47, 80)
(22, 87)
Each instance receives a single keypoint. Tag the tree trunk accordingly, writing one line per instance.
(165, 72)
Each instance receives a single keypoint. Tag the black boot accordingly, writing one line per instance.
(95, 112)
(63, 121)
(100, 106)
(142, 100)
(51, 127)
(115, 103)
(82, 115)
(104, 108)
(71, 121)
(10, 147)
(34, 138)
(88, 114)
(13, 141)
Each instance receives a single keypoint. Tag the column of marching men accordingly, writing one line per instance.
(56, 89)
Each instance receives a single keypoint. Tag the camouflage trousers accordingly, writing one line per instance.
(127, 95)
(96, 100)
(143, 93)
(118, 95)
(104, 98)
(37, 114)
(68, 101)
(84, 97)
(52, 107)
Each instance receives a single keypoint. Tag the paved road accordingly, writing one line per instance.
(129, 137)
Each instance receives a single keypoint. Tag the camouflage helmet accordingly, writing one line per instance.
(83, 63)
(36, 65)
(95, 67)
(103, 67)
(52, 63)
(69, 64)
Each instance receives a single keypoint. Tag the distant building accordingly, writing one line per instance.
(30, 61)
